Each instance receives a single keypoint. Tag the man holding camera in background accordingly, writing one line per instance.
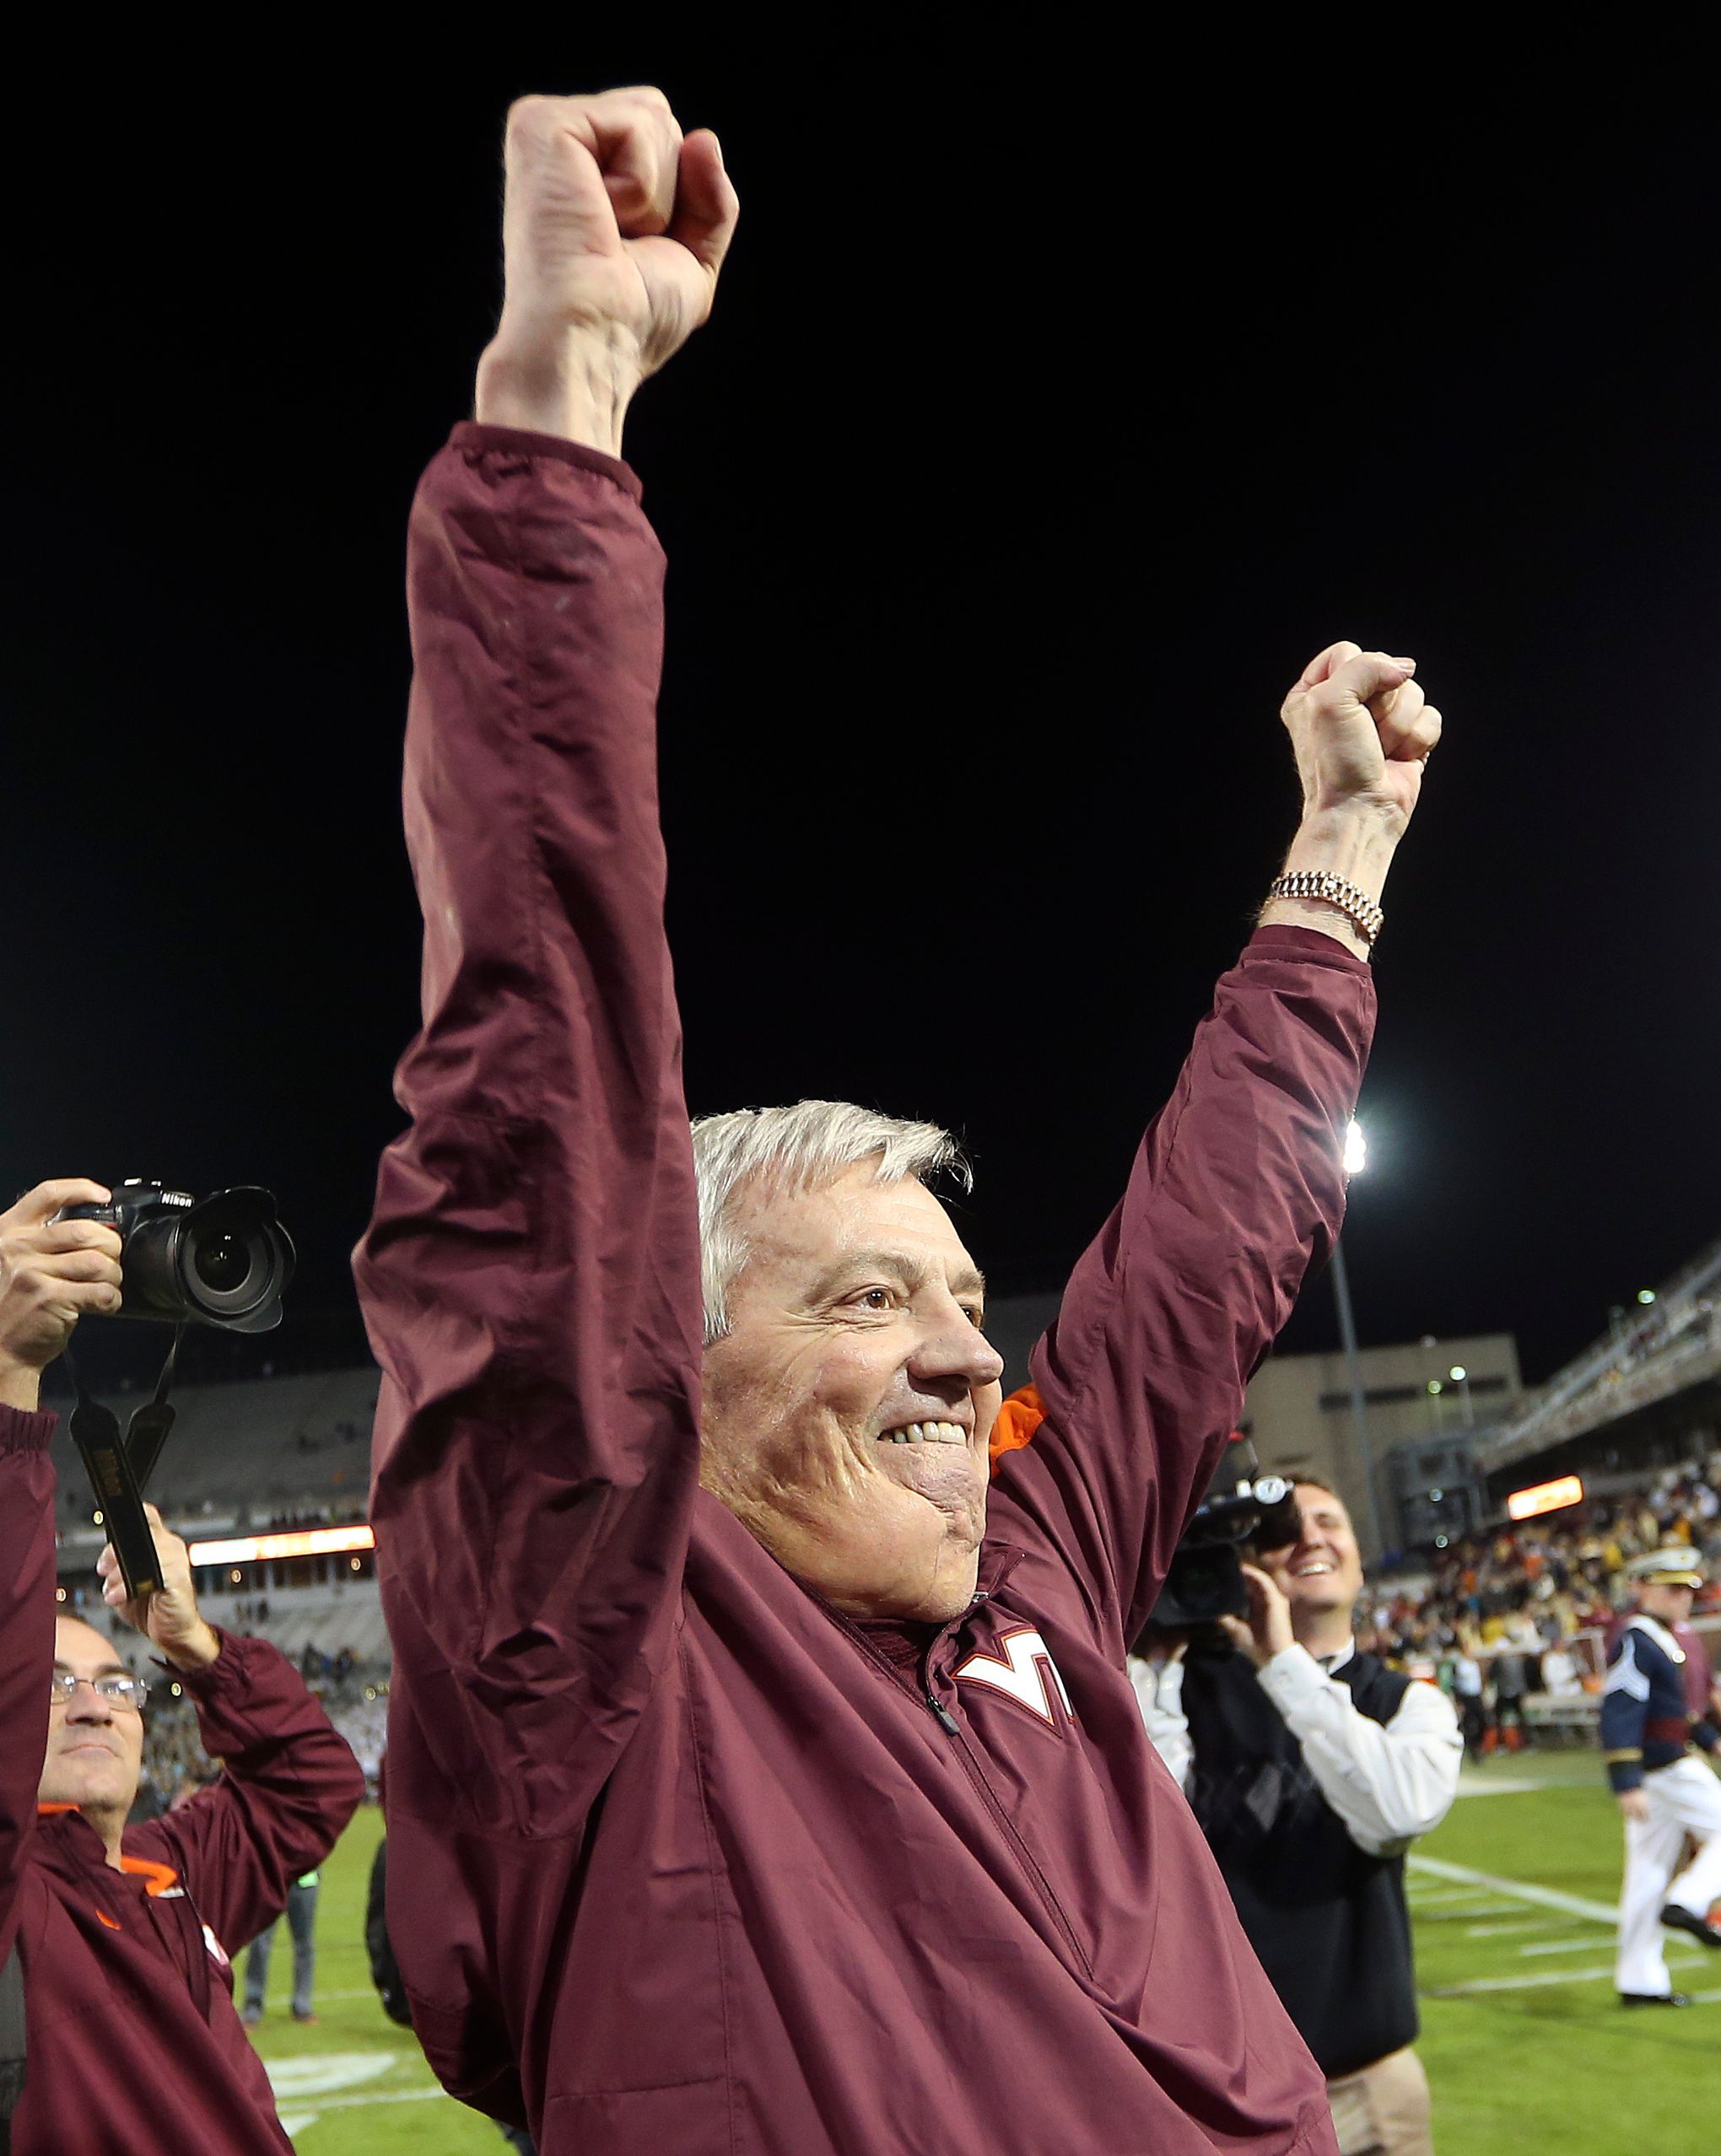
(132, 2044)
(1311, 1766)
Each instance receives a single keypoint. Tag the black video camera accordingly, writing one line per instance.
(223, 1260)
(1205, 1580)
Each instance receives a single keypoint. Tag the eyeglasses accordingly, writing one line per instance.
(118, 1691)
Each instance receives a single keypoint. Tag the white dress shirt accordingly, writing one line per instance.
(1388, 1782)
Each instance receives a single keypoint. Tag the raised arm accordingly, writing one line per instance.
(291, 1783)
(50, 1274)
(531, 1275)
(1238, 1188)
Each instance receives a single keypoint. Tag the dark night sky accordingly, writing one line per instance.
(1030, 454)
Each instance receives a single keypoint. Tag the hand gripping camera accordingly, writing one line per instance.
(1242, 1508)
(224, 1260)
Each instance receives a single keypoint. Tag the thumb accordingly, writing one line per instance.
(706, 204)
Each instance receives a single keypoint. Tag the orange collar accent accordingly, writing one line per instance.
(157, 1878)
(1018, 1419)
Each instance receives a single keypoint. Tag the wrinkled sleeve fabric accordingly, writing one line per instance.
(26, 1643)
(1388, 1781)
(289, 1785)
(529, 1278)
(1236, 1191)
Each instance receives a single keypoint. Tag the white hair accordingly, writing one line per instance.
(792, 1149)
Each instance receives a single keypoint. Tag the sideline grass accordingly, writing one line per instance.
(1558, 2064)
(1553, 2066)
(355, 2084)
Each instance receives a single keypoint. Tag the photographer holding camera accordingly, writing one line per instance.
(110, 1937)
(1311, 1766)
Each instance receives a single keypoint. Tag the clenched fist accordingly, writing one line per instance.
(51, 1274)
(1362, 730)
(614, 228)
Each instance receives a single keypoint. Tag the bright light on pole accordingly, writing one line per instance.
(1356, 1159)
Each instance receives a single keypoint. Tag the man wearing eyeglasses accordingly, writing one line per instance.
(132, 2045)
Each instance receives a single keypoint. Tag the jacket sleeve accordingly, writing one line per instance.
(288, 1786)
(1625, 1708)
(26, 1641)
(1388, 1781)
(1238, 1189)
(530, 1277)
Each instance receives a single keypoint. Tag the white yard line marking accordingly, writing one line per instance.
(1472, 1909)
(1506, 1931)
(1536, 1983)
(317, 2073)
(384, 2096)
(1569, 1905)
(1560, 1946)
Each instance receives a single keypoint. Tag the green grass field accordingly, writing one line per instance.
(1526, 2048)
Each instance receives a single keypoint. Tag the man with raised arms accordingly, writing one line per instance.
(761, 1781)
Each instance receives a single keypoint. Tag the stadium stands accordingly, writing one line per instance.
(1671, 1348)
(1545, 1588)
(242, 1453)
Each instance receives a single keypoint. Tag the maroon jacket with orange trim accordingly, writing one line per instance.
(135, 2048)
(679, 1857)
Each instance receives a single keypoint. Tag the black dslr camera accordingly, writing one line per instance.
(224, 1260)
(1242, 1508)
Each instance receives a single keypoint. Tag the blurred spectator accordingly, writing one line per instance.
(301, 1921)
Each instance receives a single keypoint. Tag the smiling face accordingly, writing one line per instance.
(1322, 1572)
(95, 1747)
(848, 1407)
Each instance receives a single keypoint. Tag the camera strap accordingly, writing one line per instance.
(119, 1467)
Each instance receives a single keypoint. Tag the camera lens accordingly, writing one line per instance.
(223, 1263)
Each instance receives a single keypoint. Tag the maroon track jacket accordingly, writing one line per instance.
(681, 1860)
(134, 2045)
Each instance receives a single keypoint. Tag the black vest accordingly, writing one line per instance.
(1328, 1921)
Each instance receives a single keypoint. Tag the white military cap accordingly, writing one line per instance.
(1675, 1564)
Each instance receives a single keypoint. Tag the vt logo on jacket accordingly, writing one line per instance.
(1025, 1673)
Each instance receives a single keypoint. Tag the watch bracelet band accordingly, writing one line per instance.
(1361, 912)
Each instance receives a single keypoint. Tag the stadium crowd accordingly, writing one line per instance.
(1516, 1610)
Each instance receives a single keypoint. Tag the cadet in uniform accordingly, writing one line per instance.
(1665, 1791)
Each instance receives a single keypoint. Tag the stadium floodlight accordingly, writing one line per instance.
(1356, 1148)
(1435, 1386)
(1458, 1373)
(1646, 1295)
